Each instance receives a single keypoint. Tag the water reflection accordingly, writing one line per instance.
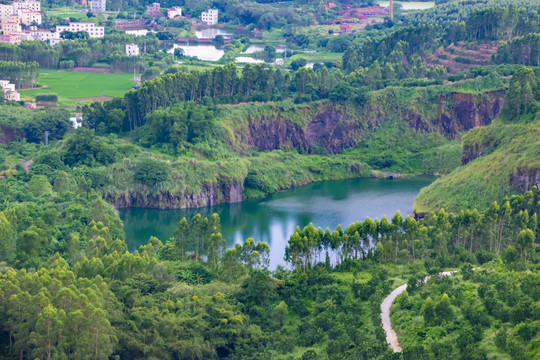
(201, 52)
(273, 219)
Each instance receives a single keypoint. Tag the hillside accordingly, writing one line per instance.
(498, 160)
(263, 148)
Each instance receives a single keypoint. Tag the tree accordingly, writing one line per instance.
(258, 289)
(47, 338)
(100, 338)
(280, 313)
(219, 40)
(298, 63)
(341, 92)
(443, 309)
(150, 73)
(397, 224)
(428, 311)
(525, 242)
(181, 235)
(269, 53)
(7, 238)
(510, 255)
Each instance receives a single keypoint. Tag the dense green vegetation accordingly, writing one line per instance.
(491, 312)
(106, 52)
(70, 289)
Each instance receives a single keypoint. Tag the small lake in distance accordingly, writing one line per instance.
(274, 218)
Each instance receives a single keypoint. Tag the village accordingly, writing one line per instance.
(175, 27)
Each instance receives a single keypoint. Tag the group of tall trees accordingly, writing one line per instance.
(22, 74)
(524, 50)
(83, 52)
(499, 228)
(494, 23)
(522, 94)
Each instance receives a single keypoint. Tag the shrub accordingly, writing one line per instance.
(151, 172)
(47, 98)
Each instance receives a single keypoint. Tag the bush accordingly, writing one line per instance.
(151, 172)
(47, 98)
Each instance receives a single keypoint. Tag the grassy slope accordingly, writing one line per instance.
(514, 149)
(68, 85)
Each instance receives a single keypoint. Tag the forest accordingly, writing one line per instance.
(72, 288)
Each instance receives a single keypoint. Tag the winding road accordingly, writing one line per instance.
(391, 336)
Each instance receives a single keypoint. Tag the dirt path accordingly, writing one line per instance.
(391, 336)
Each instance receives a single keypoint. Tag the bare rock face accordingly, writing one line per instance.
(6, 135)
(525, 180)
(206, 196)
(334, 130)
(472, 152)
(329, 129)
(466, 111)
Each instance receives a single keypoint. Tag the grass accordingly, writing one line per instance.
(69, 85)
(509, 148)
(318, 57)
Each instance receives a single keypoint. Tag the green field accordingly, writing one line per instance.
(69, 85)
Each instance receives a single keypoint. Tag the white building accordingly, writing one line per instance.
(30, 17)
(6, 11)
(210, 17)
(28, 5)
(9, 91)
(42, 35)
(91, 28)
(132, 49)
(11, 24)
(29, 11)
(174, 12)
(56, 41)
(98, 5)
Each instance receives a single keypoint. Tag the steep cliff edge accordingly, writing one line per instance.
(336, 127)
(206, 196)
(329, 141)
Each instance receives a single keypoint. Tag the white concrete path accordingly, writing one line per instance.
(391, 336)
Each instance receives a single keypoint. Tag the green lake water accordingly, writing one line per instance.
(274, 218)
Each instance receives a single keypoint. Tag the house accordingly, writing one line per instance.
(14, 38)
(12, 24)
(9, 91)
(97, 6)
(174, 12)
(91, 28)
(55, 41)
(360, 16)
(210, 17)
(372, 10)
(28, 5)
(345, 29)
(41, 35)
(329, 6)
(6, 11)
(30, 17)
(132, 49)
(154, 9)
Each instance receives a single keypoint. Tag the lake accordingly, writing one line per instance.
(274, 218)
(202, 52)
